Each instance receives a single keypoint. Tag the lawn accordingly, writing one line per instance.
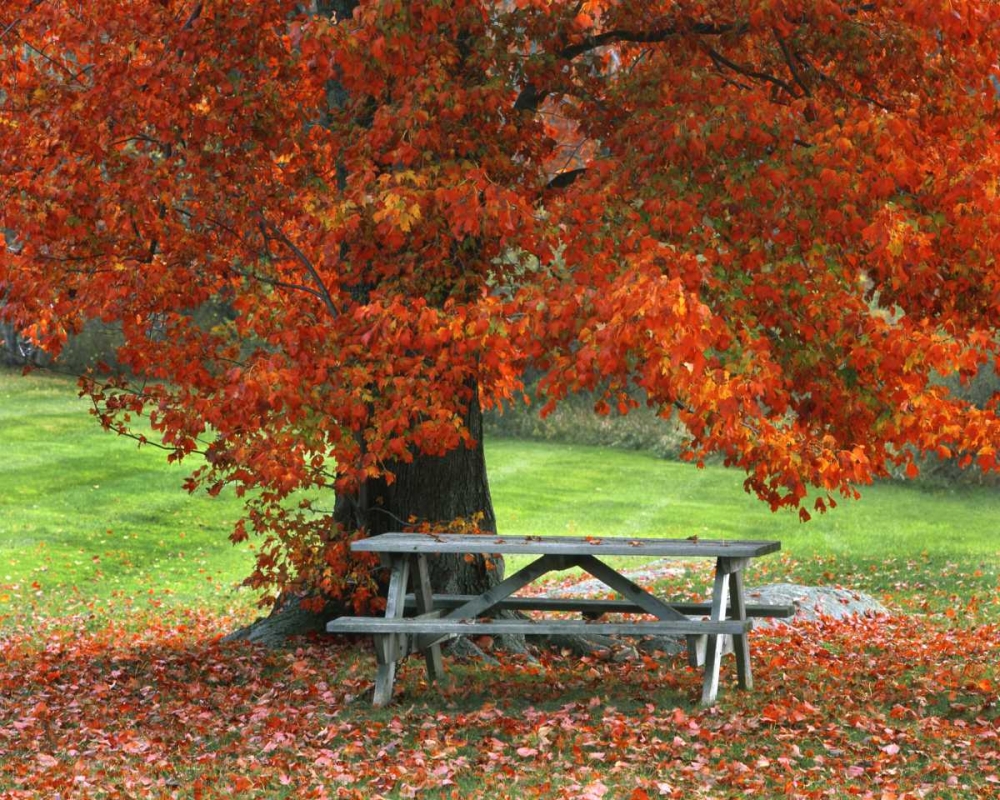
(87, 512)
(115, 587)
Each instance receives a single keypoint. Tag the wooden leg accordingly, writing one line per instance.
(389, 648)
(741, 644)
(422, 592)
(384, 677)
(713, 645)
(501, 591)
(696, 646)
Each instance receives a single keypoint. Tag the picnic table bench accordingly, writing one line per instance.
(438, 617)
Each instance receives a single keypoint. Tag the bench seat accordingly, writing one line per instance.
(595, 607)
(463, 627)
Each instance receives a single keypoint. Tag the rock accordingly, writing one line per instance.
(812, 602)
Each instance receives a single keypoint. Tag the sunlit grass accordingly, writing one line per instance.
(540, 488)
(87, 512)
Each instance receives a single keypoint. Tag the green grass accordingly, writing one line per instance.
(86, 511)
(906, 544)
(588, 491)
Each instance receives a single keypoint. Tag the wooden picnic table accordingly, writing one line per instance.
(439, 616)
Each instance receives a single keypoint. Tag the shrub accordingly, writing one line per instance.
(574, 421)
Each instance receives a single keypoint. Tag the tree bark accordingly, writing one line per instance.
(439, 490)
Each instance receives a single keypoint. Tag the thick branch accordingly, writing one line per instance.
(617, 35)
(564, 179)
(279, 284)
(531, 96)
(838, 86)
(790, 61)
(721, 61)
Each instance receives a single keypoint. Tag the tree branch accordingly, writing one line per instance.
(276, 283)
(796, 76)
(721, 61)
(321, 290)
(13, 24)
(564, 179)
(531, 97)
(617, 35)
(838, 87)
(193, 16)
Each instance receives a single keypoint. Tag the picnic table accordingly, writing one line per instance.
(438, 617)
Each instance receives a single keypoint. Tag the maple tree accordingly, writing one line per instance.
(775, 219)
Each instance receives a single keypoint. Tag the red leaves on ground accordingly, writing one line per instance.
(892, 707)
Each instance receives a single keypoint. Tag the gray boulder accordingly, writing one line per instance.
(812, 602)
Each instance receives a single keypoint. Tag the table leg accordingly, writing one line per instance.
(390, 647)
(741, 643)
(501, 591)
(424, 595)
(713, 644)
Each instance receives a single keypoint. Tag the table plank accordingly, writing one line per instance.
(563, 545)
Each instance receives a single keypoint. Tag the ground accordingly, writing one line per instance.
(111, 701)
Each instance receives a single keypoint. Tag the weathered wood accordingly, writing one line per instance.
(556, 545)
(441, 627)
(450, 613)
(597, 607)
(634, 593)
(628, 589)
(728, 565)
(424, 599)
(388, 647)
(697, 658)
(713, 645)
(479, 604)
(741, 643)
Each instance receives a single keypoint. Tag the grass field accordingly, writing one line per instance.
(90, 512)
(115, 587)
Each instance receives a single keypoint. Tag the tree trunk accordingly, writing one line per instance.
(435, 490)
(439, 490)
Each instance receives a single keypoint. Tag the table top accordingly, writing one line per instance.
(563, 545)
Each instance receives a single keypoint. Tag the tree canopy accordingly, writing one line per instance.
(775, 219)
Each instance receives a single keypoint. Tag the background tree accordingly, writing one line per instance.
(775, 219)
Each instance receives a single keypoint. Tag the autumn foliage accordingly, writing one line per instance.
(776, 220)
